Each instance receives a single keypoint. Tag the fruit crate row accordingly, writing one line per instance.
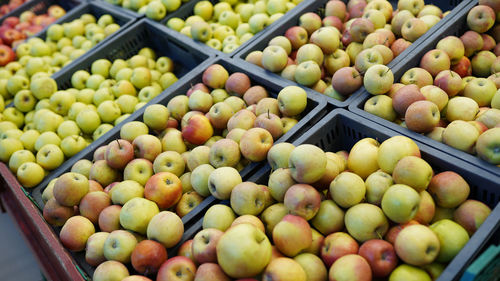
(341, 130)
(319, 7)
(456, 26)
(181, 10)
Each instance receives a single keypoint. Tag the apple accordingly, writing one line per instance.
(485, 146)
(426, 209)
(367, 58)
(169, 161)
(346, 80)
(110, 270)
(204, 245)
(380, 255)
(136, 214)
(254, 94)
(94, 254)
(165, 227)
(119, 153)
(408, 272)
(189, 201)
(124, 191)
(422, 116)
(400, 203)
(452, 238)
(249, 219)
(313, 266)
(210, 272)
(482, 63)
(70, 188)
(255, 143)
(381, 106)
(281, 268)
(360, 28)
(366, 221)
(274, 58)
(92, 204)
(218, 216)
(177, 268)
(292, 235)
(435, 61)
(463, 67)
(483, 85)
(376, 185)
(215, 76)
(56, 214)
(337, 245)
(222, 181)
(461, 135)
(243, 119)
(417, 245)
(414, 172)
(109, 218)
(406, 96)
(75, 233)
(456, 52)
(378, 79)
(302, 200)
(350, 267)
(481, 18)
(336, 61)
(461, 108)
(347, 189)
(164, 188)
(413, 29)
(199, 179)
(417, 76)
(237, 245)
(472, 41)
(186, 250)
(240, 202)
(292, 101)
(448, 189)
(308, 163)
(394, 149)
(471, 214)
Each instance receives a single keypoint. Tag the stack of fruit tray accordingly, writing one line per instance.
(456, 26)
(318, 7)
(340, 130)
(145, 33)
(186, 10)
(41, 6)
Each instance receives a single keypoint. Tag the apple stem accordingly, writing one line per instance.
(268, 116)
(378, 234)
(388, 69)
(119, 145)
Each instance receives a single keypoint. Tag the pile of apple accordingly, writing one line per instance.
(11, 6)
(38, 58)
(331, 54)
(132, 178)
(55, 125)
(14, 30)
(185, 148)
(153, 9)
(228, 24)
(452, 97)
(326, 216)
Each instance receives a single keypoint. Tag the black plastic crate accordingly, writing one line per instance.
(142, 34)
(455, 26)
(186, 10)
(317, 6)
(341, 129)
(314, 111)
(40, 7)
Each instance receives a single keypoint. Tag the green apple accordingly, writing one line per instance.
(400, 203)
(452, 238)
(136, 214)
(219, 217)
